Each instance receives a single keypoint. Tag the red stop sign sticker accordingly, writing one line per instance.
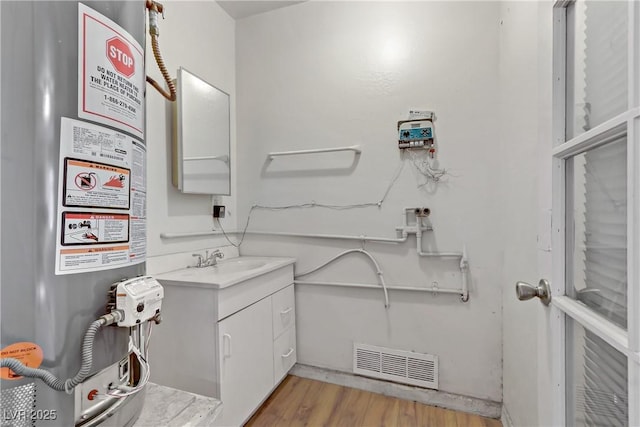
(120, 56)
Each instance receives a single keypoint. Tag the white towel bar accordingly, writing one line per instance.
(355, 148)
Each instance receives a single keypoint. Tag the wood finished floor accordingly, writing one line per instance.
(304, 402)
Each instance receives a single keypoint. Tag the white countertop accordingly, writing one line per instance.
(169, 407)
(227, 273)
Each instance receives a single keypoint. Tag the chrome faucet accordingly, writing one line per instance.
(209, 259)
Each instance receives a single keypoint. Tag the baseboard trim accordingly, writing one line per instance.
(506, 418)
(441, 399)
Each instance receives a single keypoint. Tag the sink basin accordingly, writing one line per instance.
(227, 272)
(236, 265)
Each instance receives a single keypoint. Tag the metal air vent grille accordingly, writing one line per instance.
(396, 365)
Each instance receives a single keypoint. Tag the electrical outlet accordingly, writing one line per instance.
(218, 211)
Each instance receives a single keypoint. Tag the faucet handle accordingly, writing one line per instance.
(199, 263)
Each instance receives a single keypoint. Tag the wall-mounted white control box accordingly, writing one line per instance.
(415, 134)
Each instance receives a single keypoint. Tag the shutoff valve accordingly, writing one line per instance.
(137, 300)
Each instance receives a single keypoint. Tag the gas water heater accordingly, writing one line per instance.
(76, 306)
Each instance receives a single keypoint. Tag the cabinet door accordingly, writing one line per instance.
(246, 361)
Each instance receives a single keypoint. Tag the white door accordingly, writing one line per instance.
(594, 315)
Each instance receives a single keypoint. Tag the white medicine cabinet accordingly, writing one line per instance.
(201, 137)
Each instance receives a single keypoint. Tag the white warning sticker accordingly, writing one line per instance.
(93, 259)
(87, 228)
(95, 185)
(101, 216)
(110, 73)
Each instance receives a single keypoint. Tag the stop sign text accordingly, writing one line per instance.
(120, 56)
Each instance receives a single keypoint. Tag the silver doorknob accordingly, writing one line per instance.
(525, 291)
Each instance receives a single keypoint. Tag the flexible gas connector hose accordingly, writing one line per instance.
(363, 252)
(155, 8)
(51, 380)
(163, 69)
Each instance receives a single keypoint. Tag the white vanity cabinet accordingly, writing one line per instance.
(234, 340)
(256, 349)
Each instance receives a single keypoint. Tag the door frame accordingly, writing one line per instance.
(625, 341)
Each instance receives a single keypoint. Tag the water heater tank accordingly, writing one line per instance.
(72, 192)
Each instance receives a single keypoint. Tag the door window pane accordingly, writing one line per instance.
(596, 81)
(597, 229)
(597, 390)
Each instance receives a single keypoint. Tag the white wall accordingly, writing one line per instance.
(326, 74)
(199, 36)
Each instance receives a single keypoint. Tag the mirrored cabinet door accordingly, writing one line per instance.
(201, 146)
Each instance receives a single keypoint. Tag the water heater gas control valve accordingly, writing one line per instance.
(138, 300)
